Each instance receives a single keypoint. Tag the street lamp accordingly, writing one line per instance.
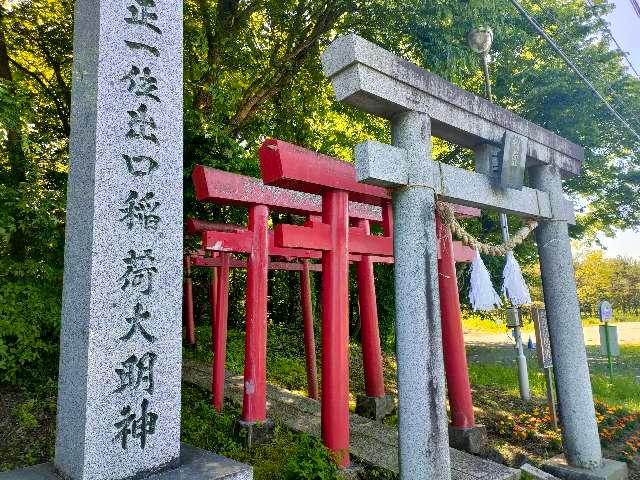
(480, 40)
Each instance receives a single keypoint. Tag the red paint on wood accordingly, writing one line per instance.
(335, 328)
(212, 185)
(455, 358)
(196, 227)
(462, 253)
(220, 336)
(254, 402)
(213, 296)
(363, 243)
(309, 335)
(371, 352)
(316, 236)
(293, 167)
(187, 308)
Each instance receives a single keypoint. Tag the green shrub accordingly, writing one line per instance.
(29, 322)
(311, 461)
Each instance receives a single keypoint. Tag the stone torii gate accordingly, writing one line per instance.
(418, 105)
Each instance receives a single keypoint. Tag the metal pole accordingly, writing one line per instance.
(523, 377)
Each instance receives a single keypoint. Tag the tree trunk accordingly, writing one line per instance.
(15, 152)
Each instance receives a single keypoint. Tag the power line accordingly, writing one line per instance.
(608, 30)
(616, 97)
(636, 7)
(570, 64)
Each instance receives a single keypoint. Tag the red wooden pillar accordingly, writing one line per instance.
(309, 335)
(455, 358)
(371, 352)
(187, 310)
(213, 301)
(254, 405)
(335, 326)
(220, 334)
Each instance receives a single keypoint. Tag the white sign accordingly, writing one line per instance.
(605, 310)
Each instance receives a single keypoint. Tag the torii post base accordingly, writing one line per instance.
(609, 470)
(472, 440)
(375, 408)
(253, 433)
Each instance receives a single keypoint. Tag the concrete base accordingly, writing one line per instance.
(471, 440)
(253, 433)
(375, 408)
(195, 464)
(609, 470)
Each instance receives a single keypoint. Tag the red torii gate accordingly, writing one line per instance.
(214, 185)
(460, 398)
(293, 167)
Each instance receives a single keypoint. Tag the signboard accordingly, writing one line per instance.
(543, 345)
(610, 335)
(605, 310)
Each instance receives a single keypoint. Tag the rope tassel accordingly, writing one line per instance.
(514, 286)
(482, 294)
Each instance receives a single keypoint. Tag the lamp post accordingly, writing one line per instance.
(480, 40)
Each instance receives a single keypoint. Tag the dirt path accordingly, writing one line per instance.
(628, 333)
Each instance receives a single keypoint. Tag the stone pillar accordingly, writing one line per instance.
(579, 429)
(423, 438)
(120, 357)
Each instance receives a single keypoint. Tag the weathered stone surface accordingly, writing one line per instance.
(195, 464)
(471, 440)
(373, 79)
(537, 473)
(581, 441)
(608, 470)
(422, 415)
(375, 408)
(119, 383)
(371, 442)
(253, 433)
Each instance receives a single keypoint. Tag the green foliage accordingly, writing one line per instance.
(29, 322)
(252, 71)
(288, 456)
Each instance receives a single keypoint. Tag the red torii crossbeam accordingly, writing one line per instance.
(222, 187)
(293, 167)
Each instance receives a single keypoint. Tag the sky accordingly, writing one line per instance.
(625, 26)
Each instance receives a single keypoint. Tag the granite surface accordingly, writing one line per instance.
(119, 383)
(367, 76)
(573, 384)
(194, 464)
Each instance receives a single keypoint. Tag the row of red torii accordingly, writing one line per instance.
(339, 212)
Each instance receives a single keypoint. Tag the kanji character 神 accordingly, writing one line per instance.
(136, 428)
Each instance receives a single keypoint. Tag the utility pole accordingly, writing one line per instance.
(480, 40)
